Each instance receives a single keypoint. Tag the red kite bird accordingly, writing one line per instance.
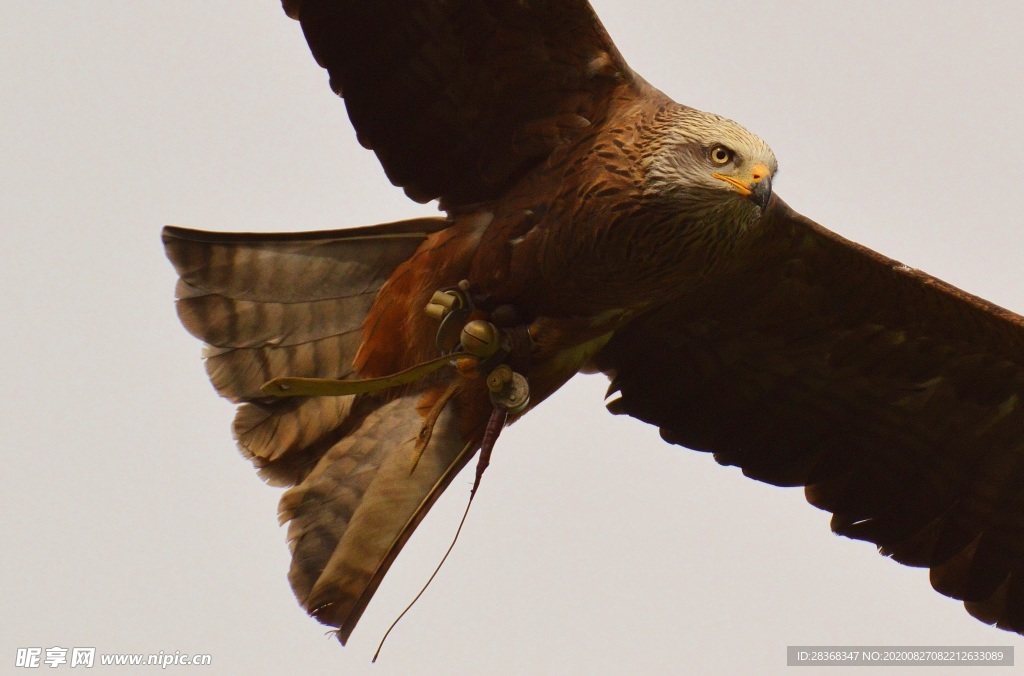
(592, 224)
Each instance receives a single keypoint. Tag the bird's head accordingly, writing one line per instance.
(709, 167)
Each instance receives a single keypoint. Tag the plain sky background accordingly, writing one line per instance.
(130, 522)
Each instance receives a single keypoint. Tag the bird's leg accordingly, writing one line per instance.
(491, 342)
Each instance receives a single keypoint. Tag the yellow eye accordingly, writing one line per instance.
(720, 155)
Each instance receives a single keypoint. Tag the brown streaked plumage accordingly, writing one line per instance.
(606, 215)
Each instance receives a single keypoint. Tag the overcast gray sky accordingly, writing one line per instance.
(132, 524)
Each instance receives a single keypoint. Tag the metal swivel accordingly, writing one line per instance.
(509, 390)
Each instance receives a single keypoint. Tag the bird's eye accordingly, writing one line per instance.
(720, 155)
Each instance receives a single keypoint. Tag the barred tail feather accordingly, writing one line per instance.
(356, 509)
(270, 305)
(294, 305)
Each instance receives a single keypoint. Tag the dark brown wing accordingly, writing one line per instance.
(459, 98)
(895, 399)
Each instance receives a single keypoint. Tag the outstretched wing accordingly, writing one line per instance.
(459, 98)
(894, 398)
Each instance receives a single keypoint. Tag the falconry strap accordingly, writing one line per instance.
(331, 387)
(475, 347)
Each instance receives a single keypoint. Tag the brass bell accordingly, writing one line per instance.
(480, 338)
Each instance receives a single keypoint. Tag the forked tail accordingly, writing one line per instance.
(278, 305)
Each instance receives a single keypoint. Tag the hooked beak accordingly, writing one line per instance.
(762, 192)
(758, 188)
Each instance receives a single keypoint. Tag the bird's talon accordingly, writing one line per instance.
(480, 346)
